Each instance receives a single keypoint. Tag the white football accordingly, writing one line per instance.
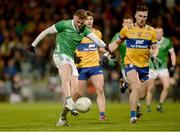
(83, 104)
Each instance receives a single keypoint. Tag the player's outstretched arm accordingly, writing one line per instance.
(96, 40)
(114, 45)
(47, 31)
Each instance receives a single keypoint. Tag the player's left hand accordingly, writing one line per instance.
(31, 49)
(172, 70)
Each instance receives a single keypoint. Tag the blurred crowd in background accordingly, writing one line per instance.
(28, 77)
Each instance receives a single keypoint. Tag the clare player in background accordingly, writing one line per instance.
(89, 67)
(139, 39)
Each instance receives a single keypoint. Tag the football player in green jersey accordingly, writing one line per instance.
(165, 47)
(69, 34)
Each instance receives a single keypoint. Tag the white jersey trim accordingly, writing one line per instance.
(73, 25)
(55, 28)
(160, 41)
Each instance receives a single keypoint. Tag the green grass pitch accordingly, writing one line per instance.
(42, 116)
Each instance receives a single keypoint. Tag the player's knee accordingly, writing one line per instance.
(134, 89)
(166, 86)
(66, 79)
(99, 85)
(100, 91)
(142, 96)
(149, 90)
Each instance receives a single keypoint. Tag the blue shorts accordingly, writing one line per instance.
(143, 72)
(86, 73)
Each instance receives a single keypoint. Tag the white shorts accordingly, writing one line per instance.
(153, 74)
(60, 59)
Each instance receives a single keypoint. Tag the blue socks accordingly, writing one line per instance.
(133, 114)
(102, 114)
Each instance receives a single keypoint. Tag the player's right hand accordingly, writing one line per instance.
(172, 70)
(30, 48)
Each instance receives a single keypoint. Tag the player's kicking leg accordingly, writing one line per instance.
(65, 72)
(63, 116)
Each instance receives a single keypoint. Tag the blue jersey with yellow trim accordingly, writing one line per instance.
(87, 50)
(138, 42)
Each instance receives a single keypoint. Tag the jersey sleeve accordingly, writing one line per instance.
(170, 45)
(86, 31)
(116, 36)
(122, 33)
(59, 26)
(99, 34)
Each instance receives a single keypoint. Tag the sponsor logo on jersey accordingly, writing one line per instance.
(139, 41)
(87, 47)
(92, 46)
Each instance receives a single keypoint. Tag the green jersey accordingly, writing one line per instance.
(164, 45)
(122, 49)
(68, 37)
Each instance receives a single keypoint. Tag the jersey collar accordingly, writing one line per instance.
(160, 41)
(136, 25)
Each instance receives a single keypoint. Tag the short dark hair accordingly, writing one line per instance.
(89, 13)
(142, 8)
(128, 17)
(159, 27)
(81, 13)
